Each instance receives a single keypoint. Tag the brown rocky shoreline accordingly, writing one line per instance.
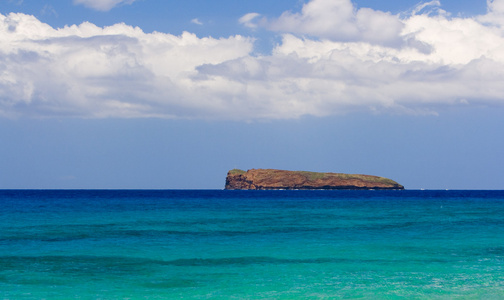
(272, 179)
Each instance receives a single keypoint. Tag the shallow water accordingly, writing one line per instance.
(251, 244)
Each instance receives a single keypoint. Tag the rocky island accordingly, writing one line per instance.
(271, 179)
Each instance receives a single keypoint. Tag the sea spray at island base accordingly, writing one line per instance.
(251, 244)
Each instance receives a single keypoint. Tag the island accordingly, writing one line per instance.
(271, 179)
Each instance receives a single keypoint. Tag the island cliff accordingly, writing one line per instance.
(270, 179)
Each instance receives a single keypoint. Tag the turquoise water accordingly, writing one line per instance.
(251, 244)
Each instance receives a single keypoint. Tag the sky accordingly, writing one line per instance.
(146, 94)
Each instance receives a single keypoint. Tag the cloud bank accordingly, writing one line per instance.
(339, 20)
(363, 60)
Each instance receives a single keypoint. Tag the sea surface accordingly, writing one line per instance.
(216, 244)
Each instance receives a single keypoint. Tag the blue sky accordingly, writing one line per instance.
(173, 94)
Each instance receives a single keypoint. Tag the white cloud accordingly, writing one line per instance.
(90, 71)
(196, 21)
(102, 5)
(337, 20)
(248, 20)
(434, 62)
(434, 5)
(48, 10)
(495, 15)
(495, 6)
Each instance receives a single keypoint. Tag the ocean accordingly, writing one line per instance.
(218, 244)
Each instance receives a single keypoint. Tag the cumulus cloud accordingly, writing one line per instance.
(102, 5)
(89, 71)
(495, 6)
(336, 20)
(495, 15)
(426, 63)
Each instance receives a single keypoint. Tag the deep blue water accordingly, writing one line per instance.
(197, 244)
